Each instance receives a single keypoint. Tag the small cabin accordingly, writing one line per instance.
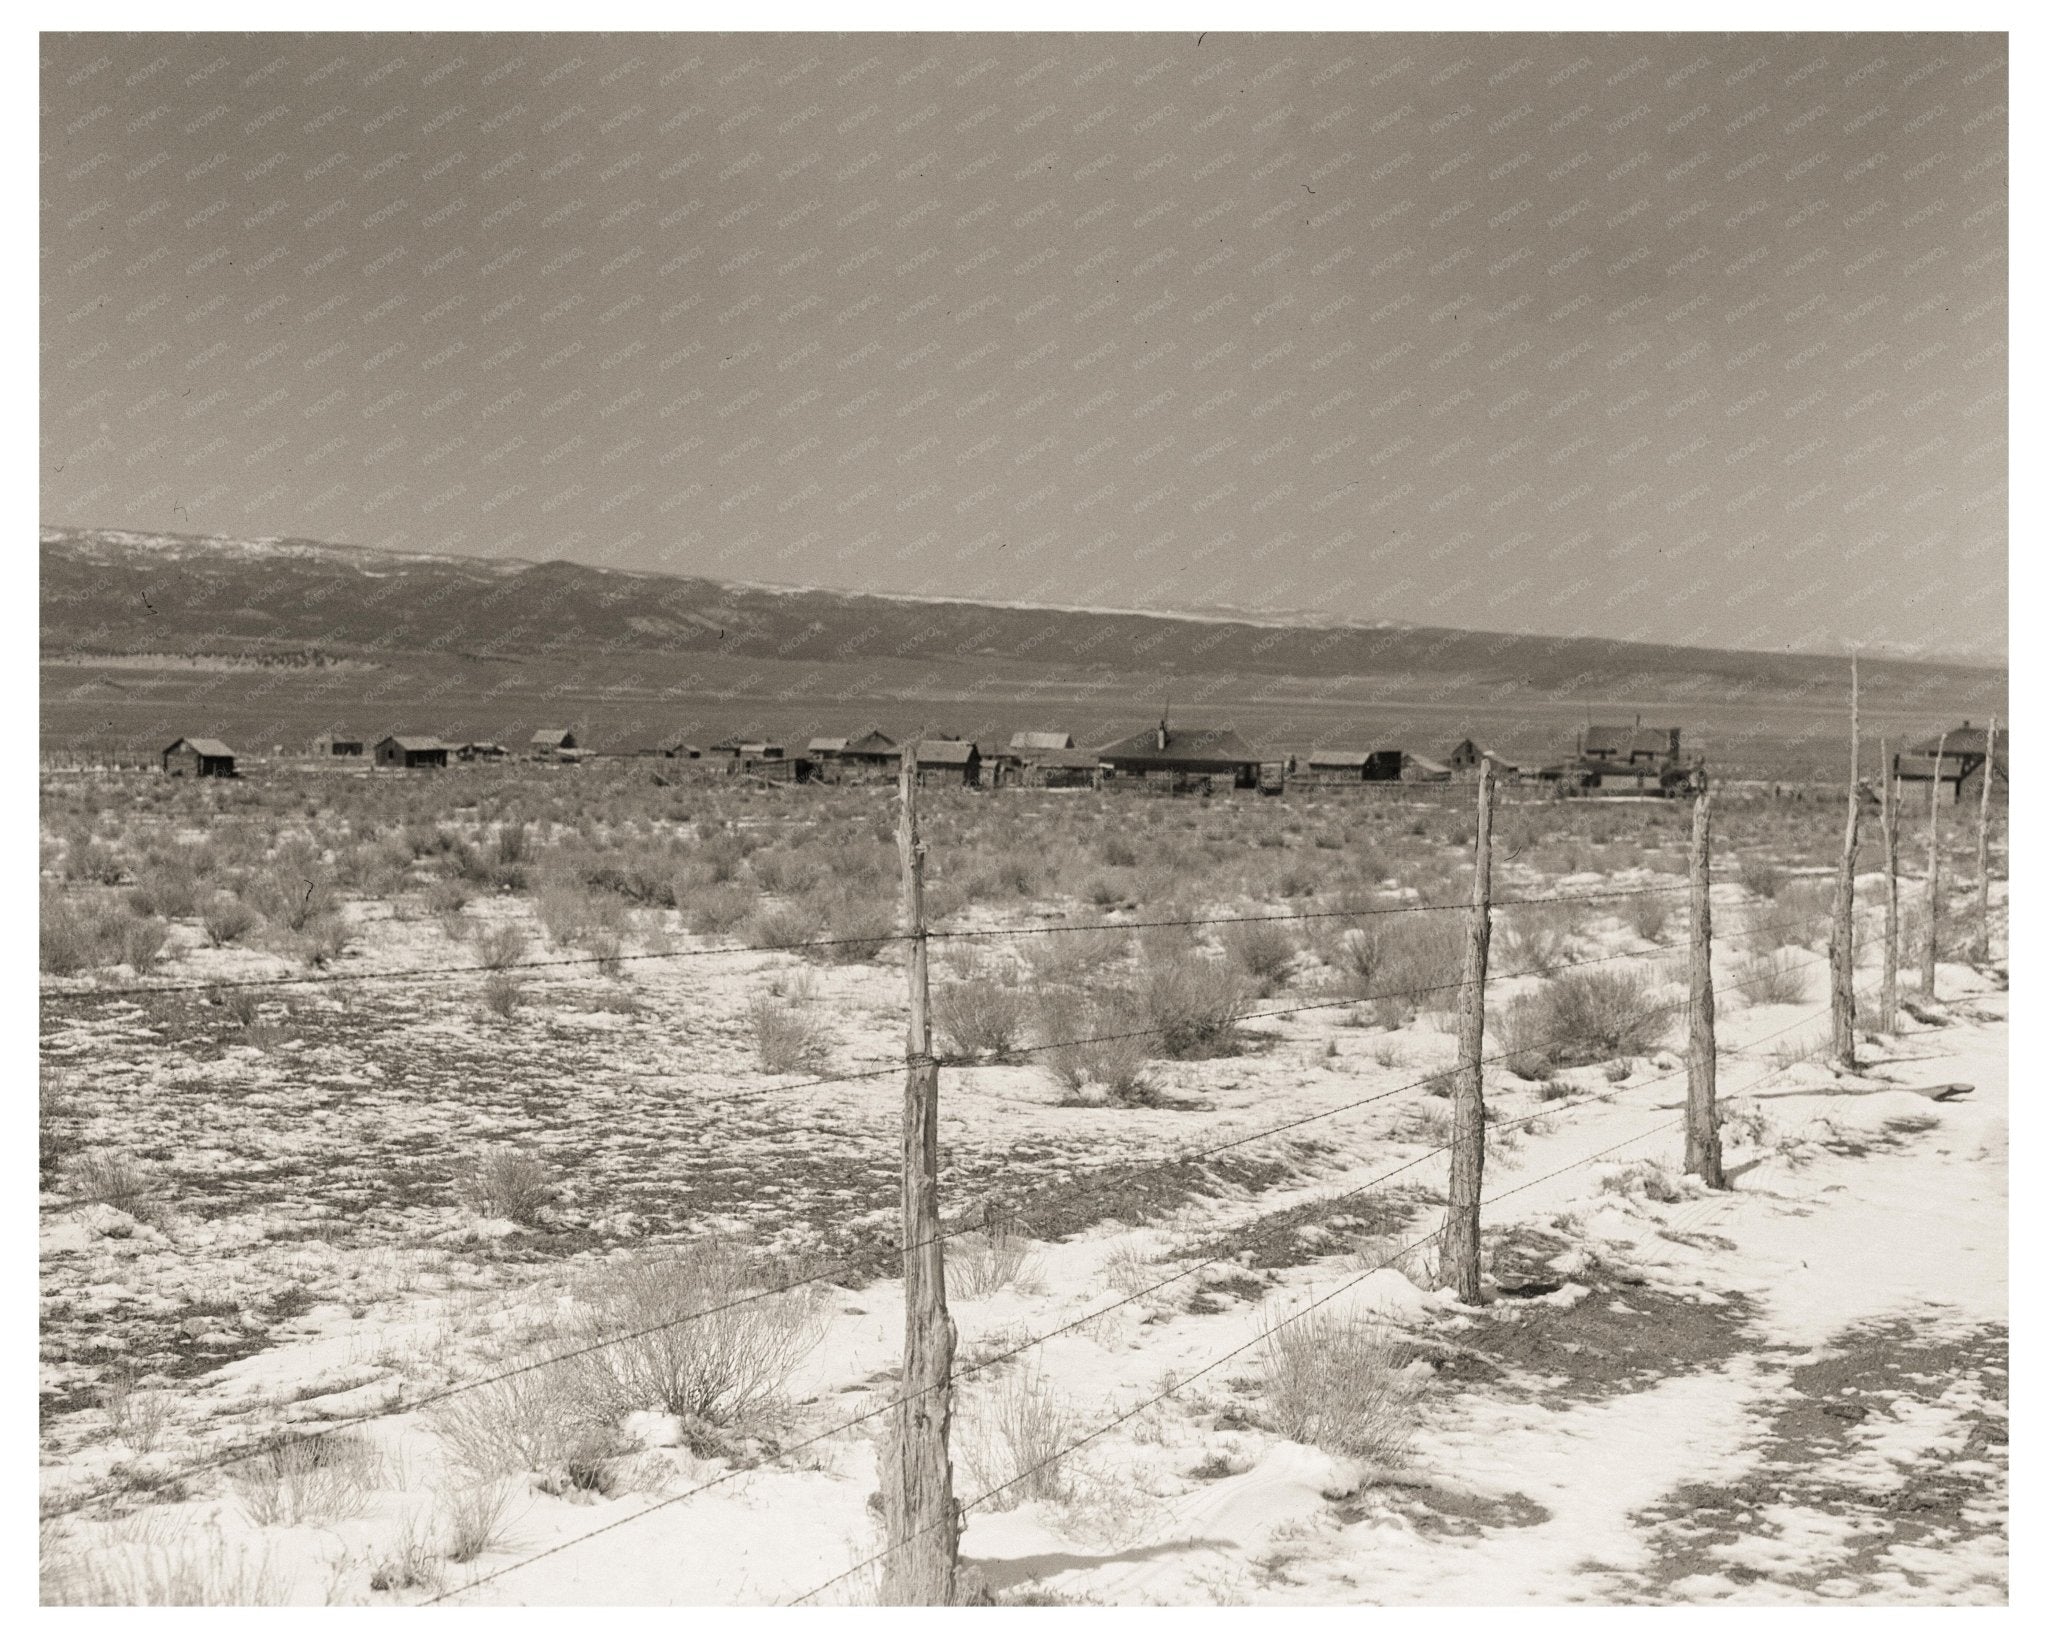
(328, 745)
(411, 751)
(199, 759)
(552, 745)
(948, 762)
(1337, 767)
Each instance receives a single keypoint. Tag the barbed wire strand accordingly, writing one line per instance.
(277, 1441)
(1020, 1348)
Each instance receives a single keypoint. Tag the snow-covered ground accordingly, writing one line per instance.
(1791, 1391)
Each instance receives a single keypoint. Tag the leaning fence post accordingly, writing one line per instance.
(1983, 943)
(1927, 950)
(1842, 940)
(1468, 1128)
(1702, 1120)
(922, 1565)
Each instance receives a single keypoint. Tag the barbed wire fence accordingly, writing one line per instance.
(926, 1236)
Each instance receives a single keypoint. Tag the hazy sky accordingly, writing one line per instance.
(1690, 338)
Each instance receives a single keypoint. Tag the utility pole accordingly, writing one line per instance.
(1927, 950)
(1702, 1120)
(1842, 941)
(1983, 950)
(1468, 1127)
(923, 1562)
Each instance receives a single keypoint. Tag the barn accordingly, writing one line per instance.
(411, 751)
(1468, 753)
(199, 759)
(1957, 759)
(1184, 758)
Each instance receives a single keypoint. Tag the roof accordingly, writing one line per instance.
(1183, 745)
(1035, 741)
(1062, 759)
(1964, 741)
(205, 747)
(549, 736)
(873, 740)
(958, 752)
(1413, 759)
(1631, 740)
(827, 747)
(1338, 759)
(416, 742)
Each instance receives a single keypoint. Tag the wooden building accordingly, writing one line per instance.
(1629, 746)
(1467, 754)
(1184, 758)
(411, 751)
(948, 762)
(1335, 767)
(1958, 760)
(553, 745)
(482, 750)
(199, 759)
(329, 745)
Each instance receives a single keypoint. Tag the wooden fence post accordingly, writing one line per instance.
(1888, 994)
(1927, 950)
(1468, 1126)
(922, 1566)
(1842, 940)
(1983, 941)
(1702, 1120)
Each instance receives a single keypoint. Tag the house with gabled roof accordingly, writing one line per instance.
(199, 759)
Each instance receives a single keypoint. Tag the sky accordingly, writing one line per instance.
(1683, 338)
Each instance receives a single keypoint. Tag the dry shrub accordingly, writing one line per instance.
(1587, 1018)
(503, 994)
(1094, 1047)
(694, 1334)
(500, 946)
(783, 926)
(533, 1419)
(1772, 978)
(1335, 1381)
(1016, 1434)
(473, 1518)
(77, 934)
(1649, 914)
(1643, 1180)
(983, 1262)
(409, 1562)
(509, 1183)
(200, 1569)
(107, 1177)
(226, 919)
(980, 1017)
(136, 1416)
(709, 911)
(789, 1036)
(1076, 958)
(1263, 951)
(1761, 878)
(859, 925)
(308, 1480)
(1193, 1007)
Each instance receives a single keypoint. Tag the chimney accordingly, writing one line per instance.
(1162, 733)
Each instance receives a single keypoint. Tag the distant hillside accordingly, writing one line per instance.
(114, 592)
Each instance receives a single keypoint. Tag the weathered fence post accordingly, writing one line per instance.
(1982, 950)
(1702, 1120)
(1842, 940)
(922, 1566)
(1888, 993)
(1468, 1126)
(1927, 950)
